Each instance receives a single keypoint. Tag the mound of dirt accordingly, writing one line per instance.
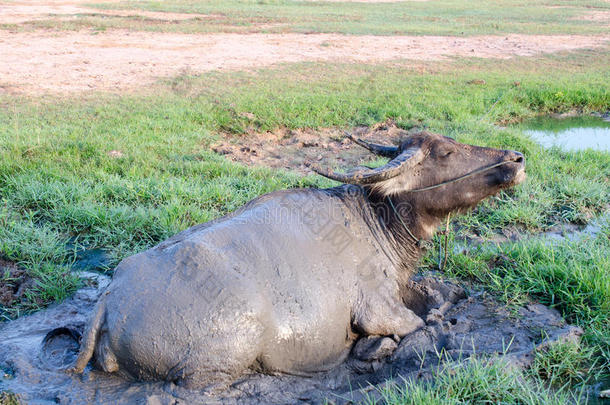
(455, 323)
(295, 149)
(14, 281)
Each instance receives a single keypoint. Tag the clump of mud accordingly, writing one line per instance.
(14, 282)
(294, 149)
(456, 324)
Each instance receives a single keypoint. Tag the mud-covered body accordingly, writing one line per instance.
(288, 281)
(221, 297)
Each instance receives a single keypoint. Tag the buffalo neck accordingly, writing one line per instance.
(397, 223)
(407, 226)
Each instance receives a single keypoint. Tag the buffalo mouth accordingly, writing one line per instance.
(512, 172)
(519, 162)
(520, 176)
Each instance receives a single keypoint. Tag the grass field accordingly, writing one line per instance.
(123, 172)
(442, 17)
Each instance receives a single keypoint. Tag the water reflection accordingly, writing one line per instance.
(577, 133)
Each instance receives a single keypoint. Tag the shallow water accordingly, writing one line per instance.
(92, 260)
(575, 133)
(560, 233)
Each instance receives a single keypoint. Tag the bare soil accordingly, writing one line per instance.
(63, 62)
(297, 149)
(14, 281)
(20, 13)
(595, 16)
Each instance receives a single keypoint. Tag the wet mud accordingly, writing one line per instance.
(562, 232)
(296, 149)
(456, 325)
(14, 282)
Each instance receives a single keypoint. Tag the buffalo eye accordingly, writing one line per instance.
(444, 153)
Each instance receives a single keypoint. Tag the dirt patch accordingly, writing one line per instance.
(116, 60)
(456, 325)
(296, 149)
(20, 13)
(14, 282)
(367, 1)
(595, 16)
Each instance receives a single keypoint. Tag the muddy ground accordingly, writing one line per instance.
(14, 282)
(298, 149)
(456, 322)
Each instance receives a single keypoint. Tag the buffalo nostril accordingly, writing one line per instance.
(516, 156)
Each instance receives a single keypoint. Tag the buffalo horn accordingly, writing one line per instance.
(408, 158)
(382, 150)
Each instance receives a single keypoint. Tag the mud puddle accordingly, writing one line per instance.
(559, 233)
(455, 324)
(296, 149)
(89, 258)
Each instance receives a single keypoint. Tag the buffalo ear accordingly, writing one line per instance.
(401, 164)
(405, 182)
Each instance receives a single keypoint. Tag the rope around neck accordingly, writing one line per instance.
(421, 243)
(443, 262)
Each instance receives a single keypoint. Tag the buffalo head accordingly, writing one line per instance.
(437, 174)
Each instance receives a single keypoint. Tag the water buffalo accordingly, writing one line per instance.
(286, 283)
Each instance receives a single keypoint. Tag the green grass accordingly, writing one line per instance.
(42, 251)
(438, 17)
(573, 277)
(475, 381)
(555, 126)
(564, 364)
(58, 182)
(61, 188)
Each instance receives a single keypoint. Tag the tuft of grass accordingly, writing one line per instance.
(572, 276)
(474, 381)
(8, 398)
(42, 251)
(566, 364)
